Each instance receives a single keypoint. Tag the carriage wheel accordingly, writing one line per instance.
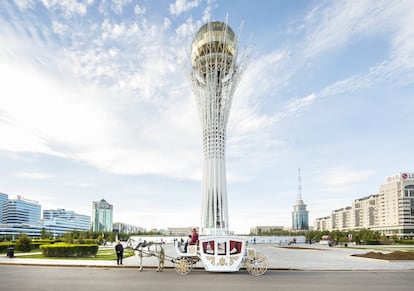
(182, 266)
(257, 264)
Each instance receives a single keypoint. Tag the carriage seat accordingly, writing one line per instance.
(192, 250)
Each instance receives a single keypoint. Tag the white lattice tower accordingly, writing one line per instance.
(214, 76)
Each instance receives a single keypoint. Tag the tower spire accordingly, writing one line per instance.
(300, 216)
(299, 188)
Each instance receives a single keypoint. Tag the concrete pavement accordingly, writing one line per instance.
(295, 257)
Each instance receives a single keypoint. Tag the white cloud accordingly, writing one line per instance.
(299, 104)
(181, 6)
(167, 23)
(54, 113)
(138, 10)
(32, 175)
(59, 28)
(208, 10)
(118, 5)
(67, 8)
(89, 123)
(344, 22)
(129, 95)
(186, 29)
(24, 4)
(340, 178)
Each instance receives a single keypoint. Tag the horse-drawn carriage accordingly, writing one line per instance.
(217, 253)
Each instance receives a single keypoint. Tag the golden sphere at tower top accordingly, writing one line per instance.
(212, 38)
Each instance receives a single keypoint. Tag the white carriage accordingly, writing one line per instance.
(220, 254)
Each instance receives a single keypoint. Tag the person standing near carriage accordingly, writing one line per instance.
(119, 249)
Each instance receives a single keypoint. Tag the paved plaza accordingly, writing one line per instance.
(296, 257)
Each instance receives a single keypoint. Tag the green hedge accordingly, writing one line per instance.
(5, 245)
(373, 242)
(43, 241)
(405, 241)
(36, 245)
(69, 250)
(88, 241)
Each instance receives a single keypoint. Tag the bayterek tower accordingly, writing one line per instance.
(214, 76)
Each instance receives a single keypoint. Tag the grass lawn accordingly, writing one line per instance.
(104, 255)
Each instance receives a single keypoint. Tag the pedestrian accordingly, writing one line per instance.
(119, 249)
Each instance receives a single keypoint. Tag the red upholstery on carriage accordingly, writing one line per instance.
(235, 247)
(208, 247)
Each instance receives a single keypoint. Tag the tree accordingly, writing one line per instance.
(44, 234)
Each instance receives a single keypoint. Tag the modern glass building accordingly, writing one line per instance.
(60, 221)
(22, 215)
(102, 213)
(21, 211)
(3, 199)
(215, 72)
(300, 216)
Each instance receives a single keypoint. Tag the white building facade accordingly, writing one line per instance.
(121, 227)
(390, 212)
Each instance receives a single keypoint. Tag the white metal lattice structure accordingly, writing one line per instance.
(214, 76)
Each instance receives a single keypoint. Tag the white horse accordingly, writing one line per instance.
(148, 249)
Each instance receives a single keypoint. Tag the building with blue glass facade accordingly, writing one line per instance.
(300, 216)
(102, 213)
(21, 211)
(60, 221)
(22, 215)
(3, 199)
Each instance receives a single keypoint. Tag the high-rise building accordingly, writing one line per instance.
(214, 76)
(390, 212)
(21, 211)
(59, 221)
(395, 207)
(3, 199)
(102, 213)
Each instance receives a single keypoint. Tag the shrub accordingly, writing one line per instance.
(24, 243)
(5, 245)
(405, 241)
(69, 250)
(85, 241)
(373, 242)
(43, 241)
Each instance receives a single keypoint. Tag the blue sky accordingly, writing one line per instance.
(94, 103)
